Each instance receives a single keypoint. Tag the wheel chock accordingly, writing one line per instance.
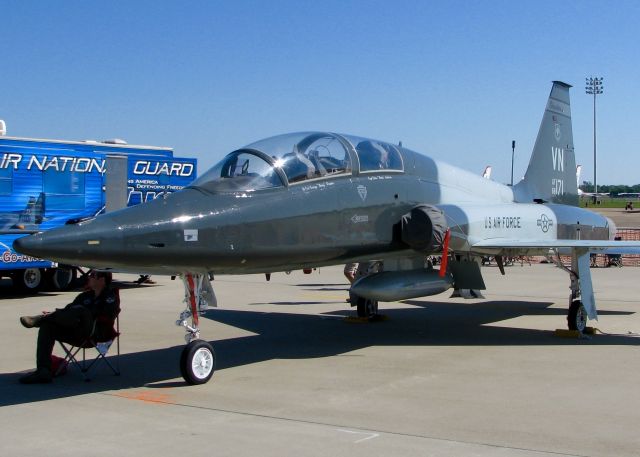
(564, 333)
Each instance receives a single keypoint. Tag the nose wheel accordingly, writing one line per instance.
(197, 362)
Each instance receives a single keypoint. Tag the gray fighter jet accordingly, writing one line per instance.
(312, 199)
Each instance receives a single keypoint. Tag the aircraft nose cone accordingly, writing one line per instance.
(52, 245)
(70, 244)
(27, 245)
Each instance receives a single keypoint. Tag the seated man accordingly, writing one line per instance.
(72, 324)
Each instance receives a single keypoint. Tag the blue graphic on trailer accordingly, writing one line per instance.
(27, 219)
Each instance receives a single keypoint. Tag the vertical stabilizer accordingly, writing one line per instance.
(39, 209)
(551, 173)
(34, 211)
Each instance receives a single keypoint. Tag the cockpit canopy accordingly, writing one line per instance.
(296, 157)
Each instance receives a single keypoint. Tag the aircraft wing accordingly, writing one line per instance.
(603, 246)
(18, 232)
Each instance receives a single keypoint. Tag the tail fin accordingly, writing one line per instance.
(39, 209)
(34, 212)
(551, 172)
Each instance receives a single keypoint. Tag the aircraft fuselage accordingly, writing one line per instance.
(316, 222)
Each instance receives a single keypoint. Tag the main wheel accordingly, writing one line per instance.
(577, 317)
(197, 362)
(366, 308)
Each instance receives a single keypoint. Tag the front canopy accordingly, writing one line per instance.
(296, 157)
(267, 163)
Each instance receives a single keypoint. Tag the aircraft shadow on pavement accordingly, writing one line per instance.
(8, 291)
(305, 336)
(16, 294)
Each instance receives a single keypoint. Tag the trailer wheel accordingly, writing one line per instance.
(28, 280)
(63, 277)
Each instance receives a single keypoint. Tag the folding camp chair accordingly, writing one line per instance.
(110, 332)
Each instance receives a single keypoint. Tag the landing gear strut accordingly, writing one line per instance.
(198, 360)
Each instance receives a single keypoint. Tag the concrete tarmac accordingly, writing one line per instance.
(621, 217)
(439, 377)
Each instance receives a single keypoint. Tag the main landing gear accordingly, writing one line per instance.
(366, 308)
(581, 300)
(198, 360)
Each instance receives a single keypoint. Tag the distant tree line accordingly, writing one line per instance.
(613, 189)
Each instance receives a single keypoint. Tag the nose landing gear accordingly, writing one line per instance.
(198, 360)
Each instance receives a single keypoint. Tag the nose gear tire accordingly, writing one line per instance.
(197, 362)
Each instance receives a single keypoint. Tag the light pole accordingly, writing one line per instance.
(594, 87)
(513, 151)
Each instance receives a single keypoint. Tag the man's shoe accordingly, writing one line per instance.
(40, 376)
(31, 321)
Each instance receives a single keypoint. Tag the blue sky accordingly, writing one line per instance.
(457, 80)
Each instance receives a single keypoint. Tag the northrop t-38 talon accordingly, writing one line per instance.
(313, 199)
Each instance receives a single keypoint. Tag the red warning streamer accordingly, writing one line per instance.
(445, 254)
(192, 300)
